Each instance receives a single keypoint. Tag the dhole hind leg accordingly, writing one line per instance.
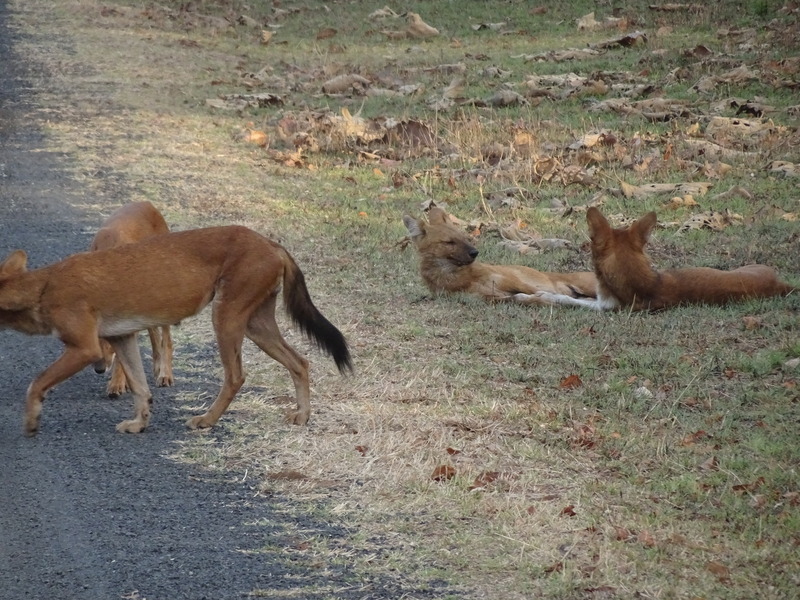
(263, 330)
(161, 342)
(73, 359)
(229, 329)
(130, 361)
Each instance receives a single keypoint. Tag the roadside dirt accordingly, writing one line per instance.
(87, 513)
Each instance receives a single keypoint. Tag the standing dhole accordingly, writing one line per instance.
(127, 225)
(112, 294)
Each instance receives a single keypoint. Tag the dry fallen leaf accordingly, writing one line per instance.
(646, 538)
(443, 473)
(417, 28)
(693, 438)
(345, 82)
(751, 323)
(570, 382)
(710, 464)
(587, 23)
(721, 572)
(568, 511)
(714, 220)
(257, 137)
(382, 13)
(748, 487)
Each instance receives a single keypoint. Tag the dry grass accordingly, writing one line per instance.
(669, 471)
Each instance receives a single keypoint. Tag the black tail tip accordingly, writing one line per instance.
(344, 361)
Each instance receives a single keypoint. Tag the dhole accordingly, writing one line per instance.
(626, 279)
(127, 225)
(112, 294)
(447, 264)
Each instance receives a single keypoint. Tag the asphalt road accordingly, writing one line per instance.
(90, 514)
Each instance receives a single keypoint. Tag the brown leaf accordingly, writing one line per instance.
(719, 570)
(693, 438)
(326, 33)
(748, 487)
(568, 511)
(710, 464)
(646, 538)
(623, 534)
(257, 137)
(793, 498)
(484, 479)
(555, 568)
(417, 28)
(443, 473)
(345, 82)
(362, 450)
(570, 382)
(751, 323)
(452, 451)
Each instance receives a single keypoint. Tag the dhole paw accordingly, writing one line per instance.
(132, 426)
(523, 298)
(165, 381)
(31, 429)
(116, 390)
(296, 417)
(200, 422)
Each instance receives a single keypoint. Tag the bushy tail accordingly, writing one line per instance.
(307, 317)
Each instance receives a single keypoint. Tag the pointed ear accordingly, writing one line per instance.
(644, 226)
(415, 228)
(437, 216)
(14, 264)
(597, 223)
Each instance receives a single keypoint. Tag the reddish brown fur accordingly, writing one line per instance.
(624, 272)
(167, 278)
(127, 225)
(447, 264)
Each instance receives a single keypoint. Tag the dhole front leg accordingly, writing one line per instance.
(72, 360)
(127, 353)
(545, 298)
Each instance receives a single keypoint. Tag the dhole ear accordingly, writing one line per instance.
(437, 216)
(415, 228)
(644, 226)
(597, 222)
(15, 263)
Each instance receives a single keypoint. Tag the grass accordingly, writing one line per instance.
(667, 468)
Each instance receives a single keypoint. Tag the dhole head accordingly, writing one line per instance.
(626, 240)
(440, 239)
